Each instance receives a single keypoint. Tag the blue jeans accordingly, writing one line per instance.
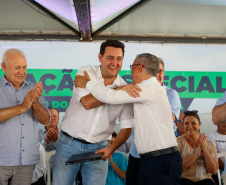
(93, 172)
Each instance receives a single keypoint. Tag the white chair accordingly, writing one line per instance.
(222, 176)
(47, 172)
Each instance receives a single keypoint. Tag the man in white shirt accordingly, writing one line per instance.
(161, 163)
(88, 123)
(218, 137)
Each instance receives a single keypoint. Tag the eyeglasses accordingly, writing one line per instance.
(131, 66)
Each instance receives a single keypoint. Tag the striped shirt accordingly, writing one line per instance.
(18, 135)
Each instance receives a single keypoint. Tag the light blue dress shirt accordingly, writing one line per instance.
(18, 135)
(222, 100)
(174, 100)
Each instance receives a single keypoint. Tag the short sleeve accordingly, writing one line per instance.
(123, 162)
(175, 104)
(126, 118)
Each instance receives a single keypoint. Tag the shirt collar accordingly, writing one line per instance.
(152, 79)
(117, 81)
(5, 82)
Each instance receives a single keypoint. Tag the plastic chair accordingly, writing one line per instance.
(47, 172)
(222, 176)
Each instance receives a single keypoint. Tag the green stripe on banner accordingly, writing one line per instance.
(59, 82)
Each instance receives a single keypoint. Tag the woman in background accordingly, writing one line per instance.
(199, 154)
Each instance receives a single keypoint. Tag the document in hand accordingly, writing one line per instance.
(79, 158)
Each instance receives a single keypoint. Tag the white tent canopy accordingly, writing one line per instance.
(186, 21)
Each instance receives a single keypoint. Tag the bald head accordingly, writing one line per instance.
(14, 65)
(10, 53)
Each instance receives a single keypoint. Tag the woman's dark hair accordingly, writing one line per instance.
(191, 113)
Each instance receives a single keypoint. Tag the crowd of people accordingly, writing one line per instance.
(146, 110)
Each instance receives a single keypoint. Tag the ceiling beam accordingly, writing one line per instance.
(53, 16)
(41, 37)
(159, 40)
(121, 16)
(82, 8)
(165, 40)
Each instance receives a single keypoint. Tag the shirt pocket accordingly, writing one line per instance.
(33, 148)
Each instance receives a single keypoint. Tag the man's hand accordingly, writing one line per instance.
(28, 100)
(39, 88)
(132, 89)
(47, 139)
(106, 153)
(81, 81)
(53, 134)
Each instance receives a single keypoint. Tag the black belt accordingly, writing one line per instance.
(76, 139)
(159, 152)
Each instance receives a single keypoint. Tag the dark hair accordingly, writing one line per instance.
(150, 63)
(111, 43)
(191, 113)
(114, 134)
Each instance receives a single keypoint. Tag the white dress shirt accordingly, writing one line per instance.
(152, 113)
(97, 124)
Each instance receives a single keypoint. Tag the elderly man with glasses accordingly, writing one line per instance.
(161, 163)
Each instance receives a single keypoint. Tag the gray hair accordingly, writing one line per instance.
(12, 51)
(163, 64)
(150, 63)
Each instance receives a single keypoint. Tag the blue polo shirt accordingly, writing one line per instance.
(18, 135)
(174, 100)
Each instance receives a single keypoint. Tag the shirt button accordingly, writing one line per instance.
(23, 150)
(22, 124)
(23, 137)
(18, 101)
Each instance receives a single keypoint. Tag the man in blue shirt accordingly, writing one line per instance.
(22, 106)
(219, 111)
(134, 157)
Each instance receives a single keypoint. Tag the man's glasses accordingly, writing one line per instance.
(131, 66)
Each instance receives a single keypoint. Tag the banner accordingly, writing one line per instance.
(58, 85)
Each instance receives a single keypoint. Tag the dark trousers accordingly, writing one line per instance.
(162, 170)
(202, 182)
(41, 181)
(132, 171)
